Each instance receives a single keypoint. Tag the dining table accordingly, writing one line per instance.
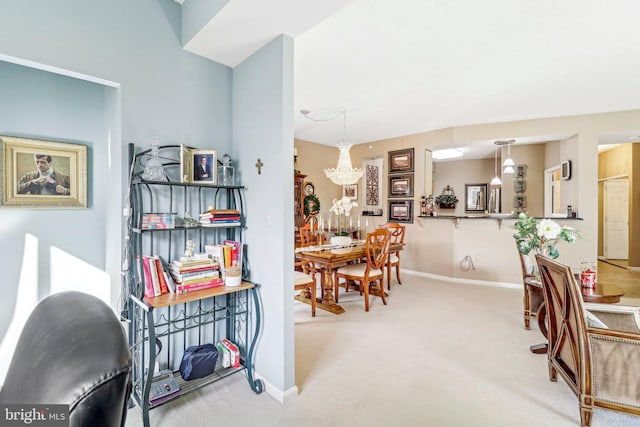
(603, 293)
(330, 257)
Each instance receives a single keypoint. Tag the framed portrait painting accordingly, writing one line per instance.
(204, 166)
(43, 174)
(401, 185)
(401, 160)
(401, 211)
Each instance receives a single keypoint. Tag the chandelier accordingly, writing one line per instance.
(344, 173)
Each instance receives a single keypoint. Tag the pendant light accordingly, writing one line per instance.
(496, 179)
(508, 163)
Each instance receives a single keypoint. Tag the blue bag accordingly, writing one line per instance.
(198, 361)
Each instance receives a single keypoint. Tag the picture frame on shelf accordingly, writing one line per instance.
(43, 174)
(401, 185)
(401, 160)
(185, 164)
(401, 211)
(204, 167)
(350, 191)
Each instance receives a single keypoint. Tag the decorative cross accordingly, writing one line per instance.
(259, 166)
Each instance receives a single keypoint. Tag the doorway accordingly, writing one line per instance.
(616, 219)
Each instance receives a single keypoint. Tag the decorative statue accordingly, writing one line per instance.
(188, 252)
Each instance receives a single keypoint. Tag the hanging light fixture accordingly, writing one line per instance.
(344, 173)
(496, 179)
(508, 163)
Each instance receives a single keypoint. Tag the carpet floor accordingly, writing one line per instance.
(439, 354)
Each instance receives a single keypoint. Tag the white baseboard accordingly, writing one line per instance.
(282, 396)
(465, 281)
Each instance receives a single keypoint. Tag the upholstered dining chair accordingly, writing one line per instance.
(393, 260)
(371, 272)
(600, 365)
(305, 281)
(533, 298)
(72, 351)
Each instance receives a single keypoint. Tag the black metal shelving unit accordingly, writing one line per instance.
(161, 328)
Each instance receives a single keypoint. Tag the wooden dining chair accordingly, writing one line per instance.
(370, 273)
(310, 235)
(393, 260)
(532, 299)
(305, 281)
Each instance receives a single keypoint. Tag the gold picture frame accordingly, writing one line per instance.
(42, 174)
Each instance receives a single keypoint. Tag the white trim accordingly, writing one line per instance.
(282, 396)
(56, 70)
(464, 281)
(624, 175)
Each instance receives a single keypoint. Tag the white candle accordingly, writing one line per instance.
(366, 223)
(329, 223)
(358, 223)
(350, 222)
(295, 151)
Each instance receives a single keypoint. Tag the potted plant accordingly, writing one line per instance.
(448, 199)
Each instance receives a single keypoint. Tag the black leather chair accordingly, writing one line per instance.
(72, 350)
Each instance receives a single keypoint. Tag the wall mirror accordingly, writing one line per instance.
(475, 199)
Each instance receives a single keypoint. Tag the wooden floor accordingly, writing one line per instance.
(620, 277)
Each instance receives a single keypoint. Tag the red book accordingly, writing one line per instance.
(148, 282)
(181, 288)
(164, 288)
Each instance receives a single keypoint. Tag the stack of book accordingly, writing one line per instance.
(152, 221)
(220, 218)
(156, 280)
(195, 273)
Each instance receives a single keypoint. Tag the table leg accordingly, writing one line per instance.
(541, 315)
(327, 301)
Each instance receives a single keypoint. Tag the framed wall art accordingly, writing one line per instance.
(372, 189)
(350, 191)
(401, 211)
(401, 185)
(401, 160)
(204, 166)
(43, 174)
(475, 199)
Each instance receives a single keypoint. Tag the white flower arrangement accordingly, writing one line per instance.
(541, 236)
(342, 206)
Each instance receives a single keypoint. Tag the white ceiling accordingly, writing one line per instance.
(400, 67)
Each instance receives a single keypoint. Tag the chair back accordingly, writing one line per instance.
(377, 247)
(72, 351)
(310, 235)
(397, 231)
(526, 266)
(567, 330)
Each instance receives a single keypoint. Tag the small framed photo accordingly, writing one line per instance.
(350, 191)
(43, 174)
(204, 167)
(401, 185)
(475, 197)
(401, 160)
(401, 211)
